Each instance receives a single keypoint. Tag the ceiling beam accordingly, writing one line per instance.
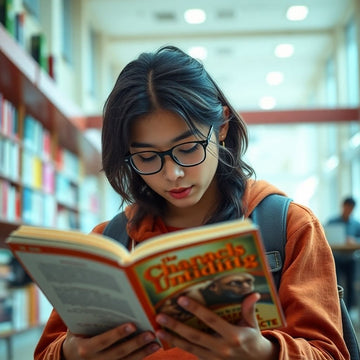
(301, 116)
(210, 34)
(276, 117)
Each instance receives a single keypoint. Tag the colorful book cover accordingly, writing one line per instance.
(218, 274)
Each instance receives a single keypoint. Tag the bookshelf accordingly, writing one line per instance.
(43, 155)
(41, 132)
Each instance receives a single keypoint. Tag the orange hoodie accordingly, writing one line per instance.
(307, 291)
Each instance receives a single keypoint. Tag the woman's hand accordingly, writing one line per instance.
(118, 343)
(231, 342)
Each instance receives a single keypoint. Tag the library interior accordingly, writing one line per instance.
(290, 68)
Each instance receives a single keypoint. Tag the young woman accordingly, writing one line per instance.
(172, 148)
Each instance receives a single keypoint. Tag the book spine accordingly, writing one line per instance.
(38, 50)
(7, 15)
(19, 28)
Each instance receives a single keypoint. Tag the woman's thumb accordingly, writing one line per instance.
(248, 309)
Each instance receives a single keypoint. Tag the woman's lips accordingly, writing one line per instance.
(180, 193)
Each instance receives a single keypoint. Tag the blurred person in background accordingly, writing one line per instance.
(347, 261)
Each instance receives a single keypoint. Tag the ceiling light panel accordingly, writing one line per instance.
(297, 13)
(284, 50)
(198, 52)
(267, 102)
(195, 16)
(274, 78)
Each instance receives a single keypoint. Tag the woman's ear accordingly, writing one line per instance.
(225, 125)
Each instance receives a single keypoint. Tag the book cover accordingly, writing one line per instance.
(218, 273)
(96, 284)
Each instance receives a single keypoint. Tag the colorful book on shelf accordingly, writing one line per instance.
(96, 284)
(8, 119)
(19, 28)
(7, 15)
(6, 305)
(39, 50)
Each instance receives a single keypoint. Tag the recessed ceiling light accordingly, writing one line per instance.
(284, 50)
(274, 78)
(198, 52)
(267, 102)
(195, 16)
(297, 13)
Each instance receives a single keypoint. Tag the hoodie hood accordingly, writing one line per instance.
(255, 192)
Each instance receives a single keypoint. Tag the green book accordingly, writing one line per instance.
(38, 50)
(7, 15)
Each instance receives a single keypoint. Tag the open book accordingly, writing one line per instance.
(96, 284)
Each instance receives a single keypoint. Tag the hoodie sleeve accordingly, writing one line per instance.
(308, 293)
(49, 346)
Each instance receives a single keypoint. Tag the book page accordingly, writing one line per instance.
(100, 244)
(90, 296)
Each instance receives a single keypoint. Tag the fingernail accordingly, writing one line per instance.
(154, 347)
(161, 319)
(129, 329)
(160, 334)
(149, 337)
(183, 301)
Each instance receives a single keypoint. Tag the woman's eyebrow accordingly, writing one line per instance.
(182, 136)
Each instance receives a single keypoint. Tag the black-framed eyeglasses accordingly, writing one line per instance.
(187, 154)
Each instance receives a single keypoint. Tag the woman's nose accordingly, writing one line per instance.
(171, 169)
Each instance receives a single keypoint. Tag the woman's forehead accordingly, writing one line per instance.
(162, 126)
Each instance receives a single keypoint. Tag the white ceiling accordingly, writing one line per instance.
(240, 37)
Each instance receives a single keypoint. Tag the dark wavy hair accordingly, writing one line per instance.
(170, 79)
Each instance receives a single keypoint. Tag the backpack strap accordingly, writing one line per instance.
(270, 215)
(349, 333)
(116, 229)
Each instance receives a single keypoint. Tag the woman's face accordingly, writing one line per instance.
(181, 187)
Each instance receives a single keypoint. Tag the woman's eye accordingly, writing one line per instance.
(148, 157)
(189, 148)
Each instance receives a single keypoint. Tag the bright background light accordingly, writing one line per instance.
(297, 13)
(195, 16)
(274, 78)
(267, 102)
(284, 50)
(198, 52)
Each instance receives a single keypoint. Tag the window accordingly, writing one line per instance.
(67, 31)
(331, 90)
(352, 64)
(92, 62)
